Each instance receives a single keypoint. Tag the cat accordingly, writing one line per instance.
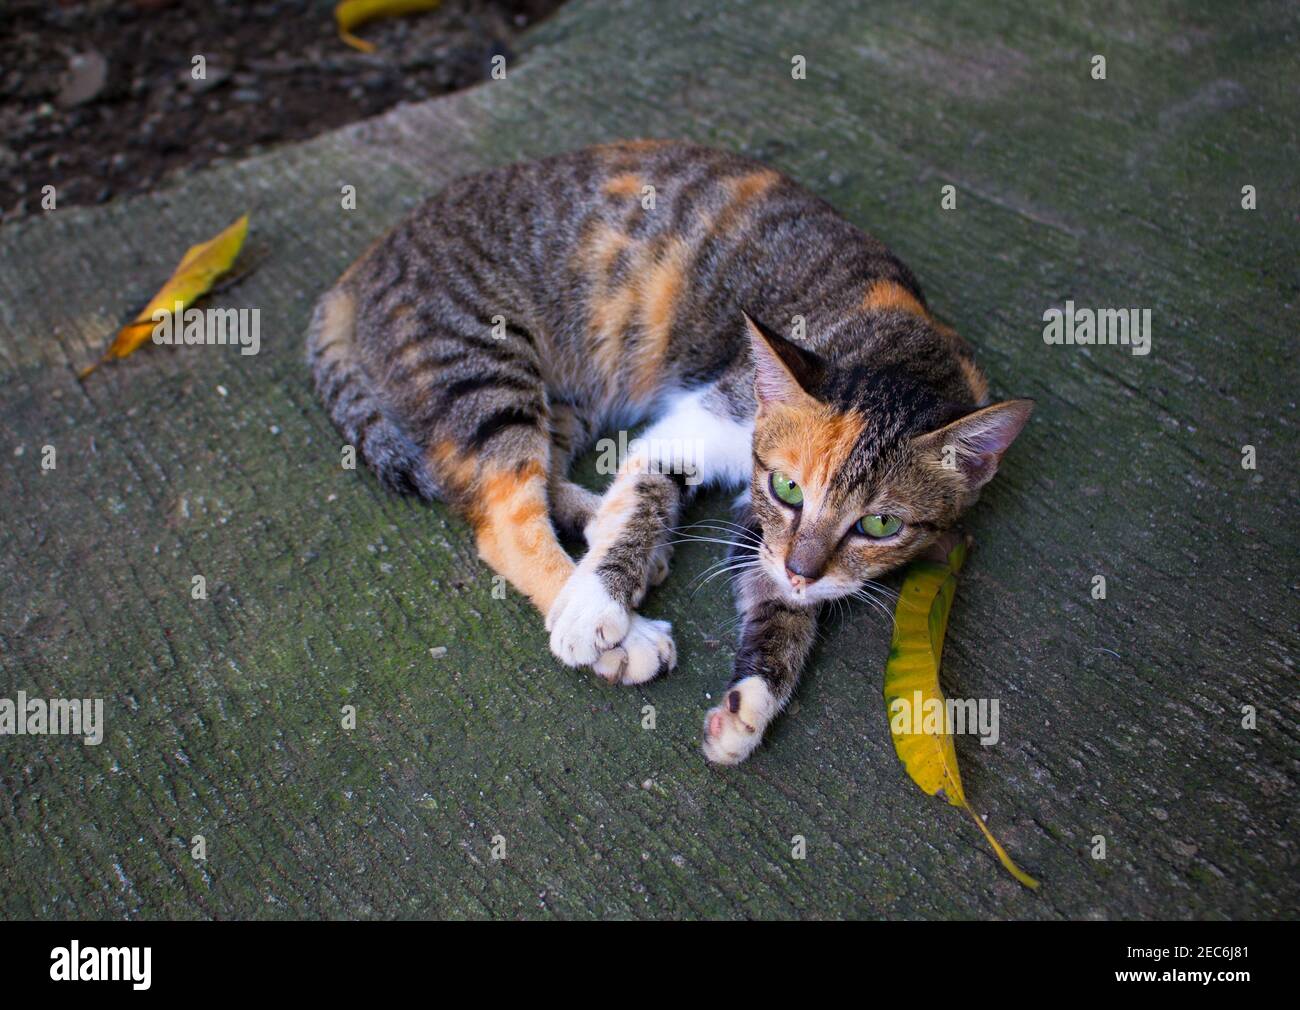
(509, 320)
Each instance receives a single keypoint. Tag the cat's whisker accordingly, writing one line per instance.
(866, 592)
(731, 562)
(868, 589)
(880, 586)
(717, 564)
(728, 627)
(728, 565)
(708, 538)
(720, 526)
(733, 528)
(719, 521)
(724, 571)
(875, 608)
(875, 602)
(713, 540)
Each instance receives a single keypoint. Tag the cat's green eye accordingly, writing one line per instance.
(786, 489)
(878, 527)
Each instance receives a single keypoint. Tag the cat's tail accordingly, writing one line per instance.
(355, 401)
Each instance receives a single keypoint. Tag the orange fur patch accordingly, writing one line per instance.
(810, 441)
(598, 254)
(624, 185)
(660, 290)
(609, 309)
(503, 486)
(979, 386)
(744, 190)
(337, 326)
(890, 295)
(632, 146)
(410, 358)
(747, 187)
(610, 315)
(450, 465)
(628, 155)
(514, 534)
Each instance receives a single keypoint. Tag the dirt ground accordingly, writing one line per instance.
(98, 98)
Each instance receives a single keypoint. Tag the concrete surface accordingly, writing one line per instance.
(1120, 717)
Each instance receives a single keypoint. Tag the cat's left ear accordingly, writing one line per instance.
(784, 372)
(974, 444)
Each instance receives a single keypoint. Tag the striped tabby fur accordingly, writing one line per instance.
(518, 314)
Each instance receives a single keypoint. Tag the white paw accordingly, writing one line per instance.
(645, 653)
(734, 728)
(585, 620)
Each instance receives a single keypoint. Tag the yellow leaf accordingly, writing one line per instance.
(199, 267)
(352, 13)
(912, 677)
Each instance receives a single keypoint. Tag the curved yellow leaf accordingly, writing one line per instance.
(201, 265)
(353, 13)
(912, 681)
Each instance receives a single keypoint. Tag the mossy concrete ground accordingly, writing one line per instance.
(1120, 718)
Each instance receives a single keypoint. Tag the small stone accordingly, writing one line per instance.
(438, 651)
(84, 79)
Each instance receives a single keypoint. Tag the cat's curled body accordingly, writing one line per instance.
(518, 314)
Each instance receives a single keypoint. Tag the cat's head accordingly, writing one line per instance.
(857, 469)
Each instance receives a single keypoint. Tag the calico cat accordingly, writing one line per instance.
(493, 334)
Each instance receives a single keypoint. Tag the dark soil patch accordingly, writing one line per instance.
(98, 98)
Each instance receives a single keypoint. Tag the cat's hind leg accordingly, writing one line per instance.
(510, 514)
(572, 505)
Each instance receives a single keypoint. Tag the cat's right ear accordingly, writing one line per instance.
(973, 445)
(783, 371)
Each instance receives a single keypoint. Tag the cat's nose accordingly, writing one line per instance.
(805, 562)
(800, 577)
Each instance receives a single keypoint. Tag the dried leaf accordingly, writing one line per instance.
(352, 13)
(912, 673)
(199, 267)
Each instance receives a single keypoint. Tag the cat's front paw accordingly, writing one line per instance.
(585, 621)
(645, 653)
(734, 728)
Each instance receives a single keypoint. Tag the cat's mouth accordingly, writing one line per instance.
(799, 591)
